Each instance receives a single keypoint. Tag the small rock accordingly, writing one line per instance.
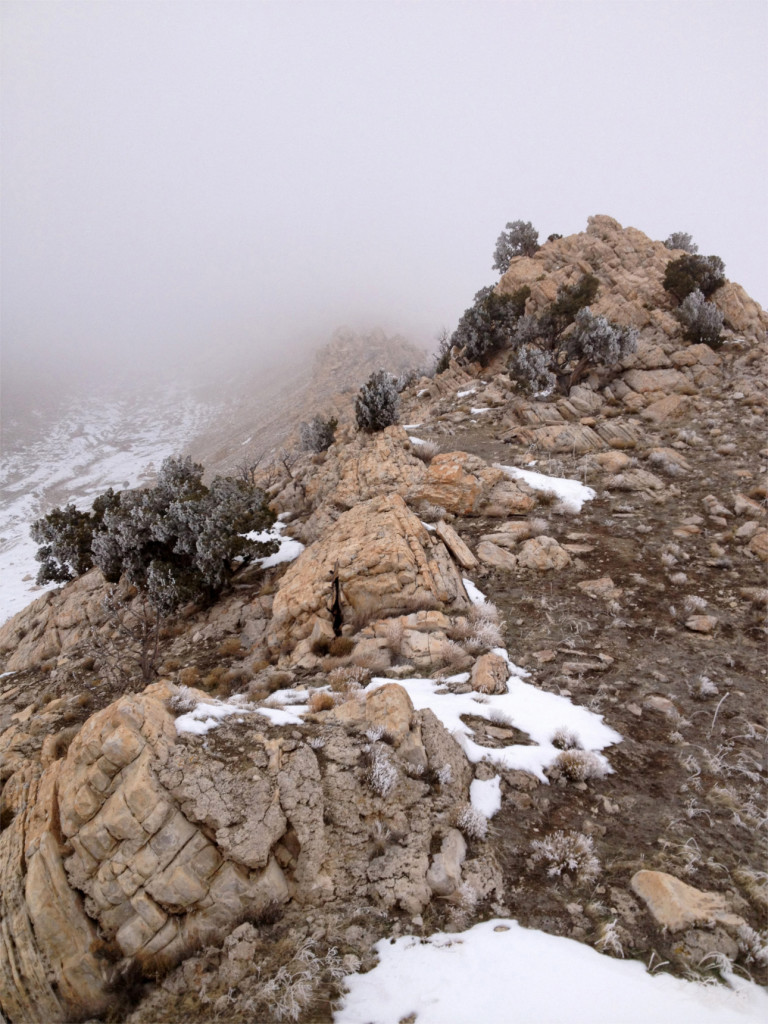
(603, 588)
(492, 554)
(701, 623)
(542, 553)
(490, 674)
(676, 905)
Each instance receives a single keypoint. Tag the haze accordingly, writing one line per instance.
(183, 181)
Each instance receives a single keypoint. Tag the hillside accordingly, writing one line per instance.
(511, 669)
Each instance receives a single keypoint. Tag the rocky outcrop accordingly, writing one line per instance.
(630, 268)
(386, 563)
(157, 844)
(466, 485)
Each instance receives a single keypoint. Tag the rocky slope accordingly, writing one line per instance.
(175, 851)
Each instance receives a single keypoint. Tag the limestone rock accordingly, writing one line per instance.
(387, 564)
(466, 485)
(496, 556)
(490, 674)
(759, 545)
(444, 875)
(542, 554)
(701, 623)
(603, 588)
(455, 545)
(676, 905)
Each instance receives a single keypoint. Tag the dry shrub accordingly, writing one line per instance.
(341, 646)
(212, 680)
(321, 700)
(472, 823)
(230, 647)
(425, 451)
(321, 646)
(567, 853)
(348, 678)
(170, 665)
(577, 766)
(189, 676)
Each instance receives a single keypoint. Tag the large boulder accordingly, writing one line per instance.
(386, 562)
(466, 485)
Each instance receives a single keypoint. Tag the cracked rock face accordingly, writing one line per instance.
(387, 563)
(160, 844)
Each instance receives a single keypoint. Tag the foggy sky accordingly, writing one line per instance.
(192, 177)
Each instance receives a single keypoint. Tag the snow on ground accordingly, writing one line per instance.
(533, 711)
(475, 595)
(479, 410)
(464, 394)
(289, 548)
(411, 426)
(97, 444)
(417, 440)
(499, 972)
(208, 714)
(572, 493)
(485, 795)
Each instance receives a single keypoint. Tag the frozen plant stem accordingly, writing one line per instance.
(714, 717)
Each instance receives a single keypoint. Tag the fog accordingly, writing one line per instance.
(191, 181)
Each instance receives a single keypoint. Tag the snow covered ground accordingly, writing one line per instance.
(104, 442)
(498, 972)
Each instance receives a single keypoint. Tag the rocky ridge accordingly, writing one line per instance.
(318, 810)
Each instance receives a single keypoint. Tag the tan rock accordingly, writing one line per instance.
(701, 623)
(676, 905)
(490, 674)
(671, 407)
(466, 485)
(444, 875)
(759, 545)
(542, 554)
(645, 381)
(455, 545)
(496, 556)
(568, 437)
(696, 355)
(604, 588)
(387, 563)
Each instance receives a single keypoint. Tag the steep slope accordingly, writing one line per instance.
(584, 751)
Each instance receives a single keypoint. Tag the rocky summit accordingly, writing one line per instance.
(512, 665)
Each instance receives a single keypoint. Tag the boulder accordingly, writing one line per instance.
(386, 562)
(496, 556)
(675, 905)
(466, 485)
(490, 674)
(542, 554)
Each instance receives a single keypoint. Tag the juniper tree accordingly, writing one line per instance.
(378, 402)
(681, 240)
(520, 238)
(701, 320)
(318, 434)
(175, 542)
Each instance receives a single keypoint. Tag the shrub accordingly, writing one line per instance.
(596, 340)
(382, 776)
(690, 272)
(681, 240)
(487, 325)
(578, 765)
(520, 238)
(473, 823)
(553, 237)
(702, 321)
(567, 853)
(318, 434)
(570, 299)
(377, 405)
(176, 542)
(426, 450)
(529, 366)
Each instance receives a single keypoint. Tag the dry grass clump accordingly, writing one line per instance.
(566, 854)
(577, 766)
(321, 700)
(665, 463)
(230, 647)
(382, 774)
(472, 823)
(189, 676)
(565, 739)
(430, 513)
(213, 679)
(333, 646)
(292, 989)
(426, 451)
(348, 678)
(394, 633)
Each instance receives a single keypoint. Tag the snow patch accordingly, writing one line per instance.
(572, 493)
(499, 971)
(485, 795)
(289, 549)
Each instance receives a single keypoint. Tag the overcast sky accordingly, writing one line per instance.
(181, 177)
